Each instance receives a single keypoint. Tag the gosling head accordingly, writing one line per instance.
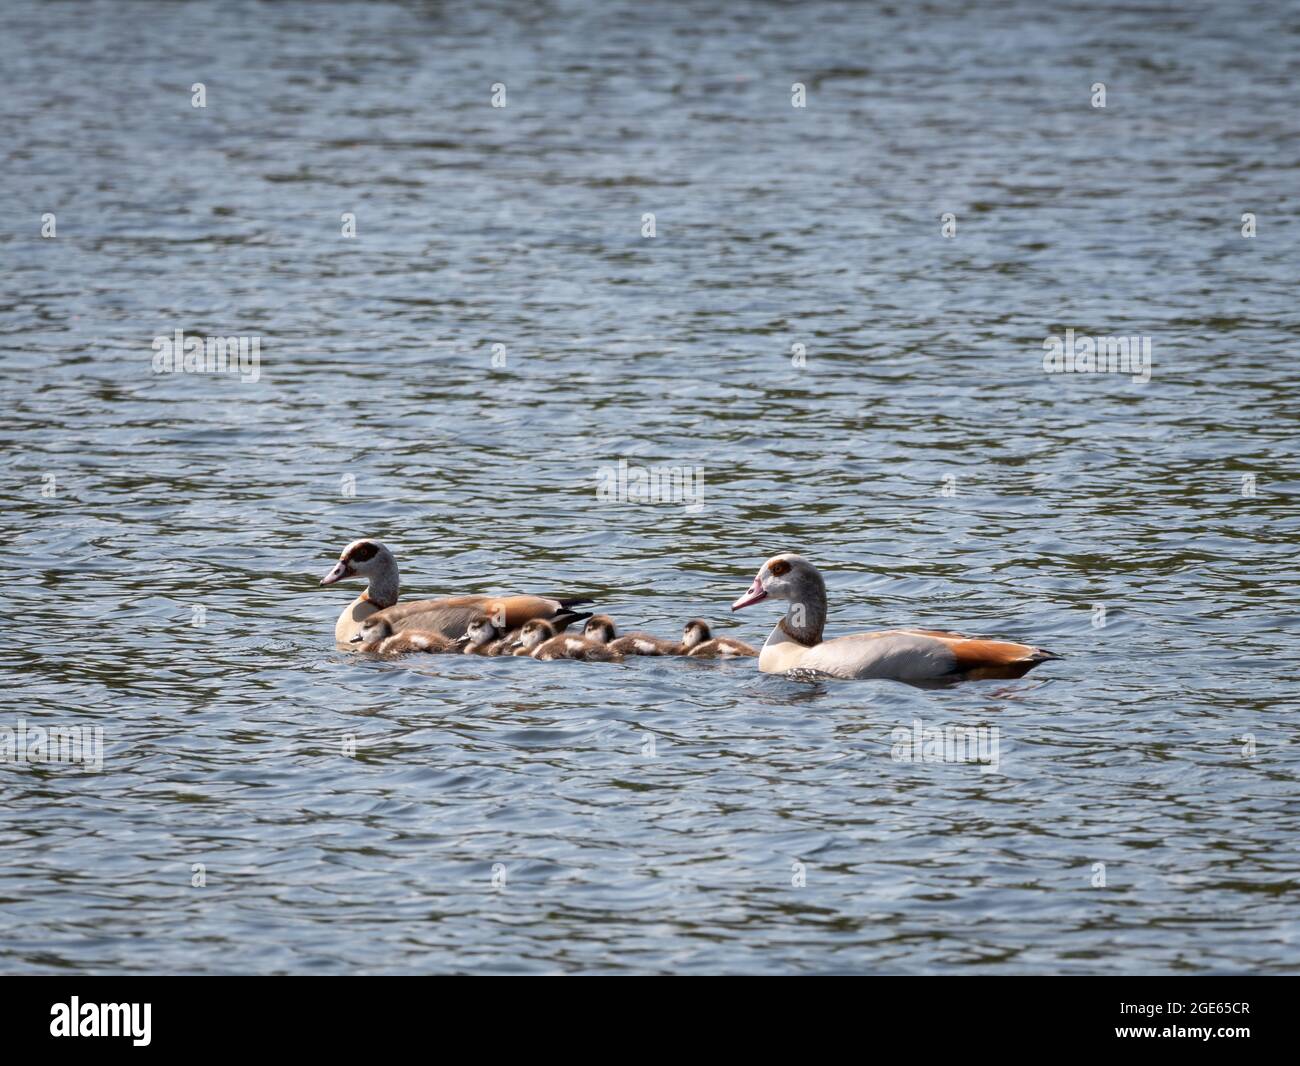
(535, 633)
(479, 632)
(361, 558)
(696, 632)
(600, 628)
(372, 629)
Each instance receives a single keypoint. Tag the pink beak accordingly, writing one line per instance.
(756, 592)
(339, 572)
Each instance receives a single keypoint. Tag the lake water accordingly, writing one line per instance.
(165, 533)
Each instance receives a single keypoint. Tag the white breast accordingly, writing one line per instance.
(349, 623)
(780, 653)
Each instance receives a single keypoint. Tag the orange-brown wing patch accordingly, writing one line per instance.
(517, 610)
(994, 658)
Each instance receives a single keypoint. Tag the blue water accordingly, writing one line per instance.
(165, 532)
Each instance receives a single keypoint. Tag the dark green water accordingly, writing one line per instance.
(1163, 746)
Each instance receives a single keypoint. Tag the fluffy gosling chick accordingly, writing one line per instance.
(700, 643)
(539, 639)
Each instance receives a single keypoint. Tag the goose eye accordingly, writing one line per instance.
(363, 553)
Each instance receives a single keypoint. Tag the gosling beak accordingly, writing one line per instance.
(355, 640)
(756, 592)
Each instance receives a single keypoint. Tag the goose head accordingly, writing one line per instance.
(362, 558)
(600, 628)
(535, 633)
(696, 632)
(786, 576)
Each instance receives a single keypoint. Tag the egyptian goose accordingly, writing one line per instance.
(700, 643)
(376, 637)
(600, 628)
(450, 617)
(539, 639)
(917, 656)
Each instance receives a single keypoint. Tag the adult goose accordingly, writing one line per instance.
(917, 656)
(369, 559)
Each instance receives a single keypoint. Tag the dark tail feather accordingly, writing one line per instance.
(573, 601)
(563, 619)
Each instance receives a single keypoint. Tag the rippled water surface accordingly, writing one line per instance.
(165, 533)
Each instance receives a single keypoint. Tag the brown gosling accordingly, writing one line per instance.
(700, 643)
(539, 639)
